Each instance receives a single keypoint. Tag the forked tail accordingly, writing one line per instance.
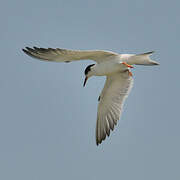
(143, 59)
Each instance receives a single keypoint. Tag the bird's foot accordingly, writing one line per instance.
(129, 66)
(130, 73)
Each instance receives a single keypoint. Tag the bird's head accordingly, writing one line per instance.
(88, 73)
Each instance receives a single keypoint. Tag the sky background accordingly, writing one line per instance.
(47, 118)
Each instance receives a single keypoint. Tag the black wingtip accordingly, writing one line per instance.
(156, 63)
(98, 142)
(27, 51)
(24, 50)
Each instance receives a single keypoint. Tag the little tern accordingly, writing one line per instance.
(119, 80)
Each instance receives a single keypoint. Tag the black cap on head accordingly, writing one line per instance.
(88, 68)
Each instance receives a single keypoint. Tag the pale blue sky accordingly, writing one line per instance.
(47, 119)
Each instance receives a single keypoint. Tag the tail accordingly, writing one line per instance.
(143, 59)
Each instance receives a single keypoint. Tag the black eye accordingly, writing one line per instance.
(88, 68)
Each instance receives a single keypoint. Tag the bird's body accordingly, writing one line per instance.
(116, 67)
(107, 68)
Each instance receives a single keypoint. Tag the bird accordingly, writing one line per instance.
(119, 79)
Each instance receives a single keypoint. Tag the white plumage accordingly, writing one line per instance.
(116, 89)
(118, 83)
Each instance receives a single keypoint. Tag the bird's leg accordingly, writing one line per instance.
(129, 66)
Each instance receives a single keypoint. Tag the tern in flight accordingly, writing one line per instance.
(116, 67)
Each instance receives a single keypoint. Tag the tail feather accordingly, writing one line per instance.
(146, 53)
(143, 59)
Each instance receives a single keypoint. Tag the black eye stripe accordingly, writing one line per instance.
(88, 68)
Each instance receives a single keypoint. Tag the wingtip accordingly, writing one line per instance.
(24, 50)
(156, 63)
(97, 143)
(150, 52)
(27, 51)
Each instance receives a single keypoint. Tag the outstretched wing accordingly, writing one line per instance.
(65, 55)
(116, 89)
